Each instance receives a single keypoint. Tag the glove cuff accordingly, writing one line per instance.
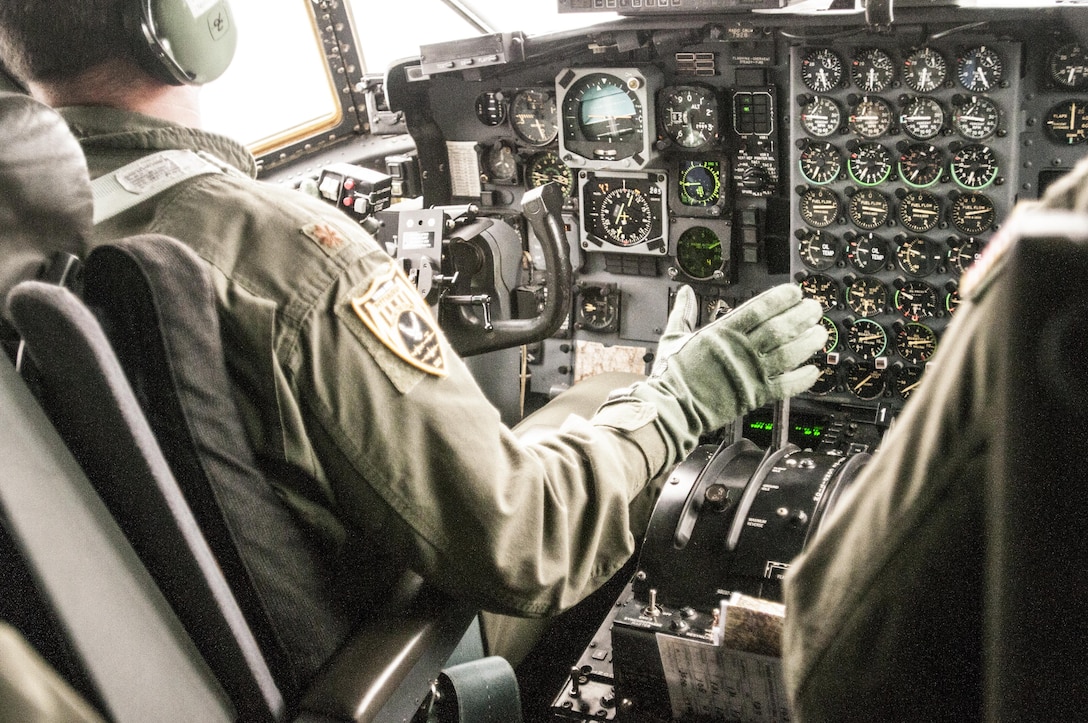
(645, 416)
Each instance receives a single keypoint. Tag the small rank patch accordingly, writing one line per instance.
(324, 235)
(398, 316)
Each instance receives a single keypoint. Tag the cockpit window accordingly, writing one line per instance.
(278, 86)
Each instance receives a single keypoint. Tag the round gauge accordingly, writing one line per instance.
(821, 118)
(827, 380)
(818, 250)
(715, 308)
(1068, 66)
(915, 342)
(491, 108)
(872, 70)
(868, 253)
(976, 119)
(867, 339)
(974, 166)
(700, 183)
(925, 70)
(868, 209)
(919, 211)
(922, 118)
(598, 310)
(980, 69)
(907, 380)
(689, 115)
(867, 296)
(546, 167)
(533, 116)
(869, 164)
(872, 118)
(602, 117)
(921, 165)
(1067, 122)
(916, 300)
(699, 253)
(625, 216)
(832, 334)
(822, 288)
(821, 70)
(972, 213)
(866, 382)
(952, 301)
(819, 207)
(964, 254)
(918, 256)
(502, 162)
(820, 162)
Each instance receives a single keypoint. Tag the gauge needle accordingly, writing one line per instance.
(863, 382)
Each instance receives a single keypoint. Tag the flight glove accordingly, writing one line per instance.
(702, 379)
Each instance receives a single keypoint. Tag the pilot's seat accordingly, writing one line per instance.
(145, 407)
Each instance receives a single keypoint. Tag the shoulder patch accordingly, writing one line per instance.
(324, 236)
(397, 315)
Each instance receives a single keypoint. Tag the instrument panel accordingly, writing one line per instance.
(870, 165)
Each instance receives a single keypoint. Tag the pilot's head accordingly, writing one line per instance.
(56, 41)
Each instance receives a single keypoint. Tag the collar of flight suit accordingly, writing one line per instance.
(121, 130)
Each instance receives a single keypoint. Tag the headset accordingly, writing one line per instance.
(182, 42)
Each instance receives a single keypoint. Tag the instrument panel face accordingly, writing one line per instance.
(731, 153)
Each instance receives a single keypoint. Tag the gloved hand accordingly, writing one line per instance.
(703, 379)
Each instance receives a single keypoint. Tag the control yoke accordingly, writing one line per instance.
(462, 263)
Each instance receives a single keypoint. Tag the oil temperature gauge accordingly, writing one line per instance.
(868, 253)
(964, 254)
(915, 342)
(918, 256)
(1067, 122)
(819, 207)
(818, 250)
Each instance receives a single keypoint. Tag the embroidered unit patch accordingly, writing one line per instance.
(397, 315)
(323, 235)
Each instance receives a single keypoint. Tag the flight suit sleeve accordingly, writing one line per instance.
(415, 456)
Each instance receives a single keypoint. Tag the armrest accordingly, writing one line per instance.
(385, 670)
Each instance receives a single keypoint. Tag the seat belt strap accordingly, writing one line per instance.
(145, 177)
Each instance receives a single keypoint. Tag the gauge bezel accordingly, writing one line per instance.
(550, 116)
(579, 150)
(704, 138)
(566, 174)
(652, 187)
(720, 229)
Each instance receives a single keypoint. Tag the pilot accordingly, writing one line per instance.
(884, 614)
(376, 444)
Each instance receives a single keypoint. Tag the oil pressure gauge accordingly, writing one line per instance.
(823, 288)
(867, 296)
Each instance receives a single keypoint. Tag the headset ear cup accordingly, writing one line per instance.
(177, 46)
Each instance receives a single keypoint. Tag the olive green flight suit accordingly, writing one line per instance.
(398, 454)
(884, 609)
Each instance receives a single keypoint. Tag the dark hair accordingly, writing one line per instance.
(46, 40)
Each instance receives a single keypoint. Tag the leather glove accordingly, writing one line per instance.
(703, 379)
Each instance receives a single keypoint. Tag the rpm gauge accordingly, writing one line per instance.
(689, 116)
(925, 70)
(918, 255)
(974, 167)
(533, 116)
(820, 162)
(869, 164)
(921, 165)
(822, 70)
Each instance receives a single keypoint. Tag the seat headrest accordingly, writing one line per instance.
(45, 204)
